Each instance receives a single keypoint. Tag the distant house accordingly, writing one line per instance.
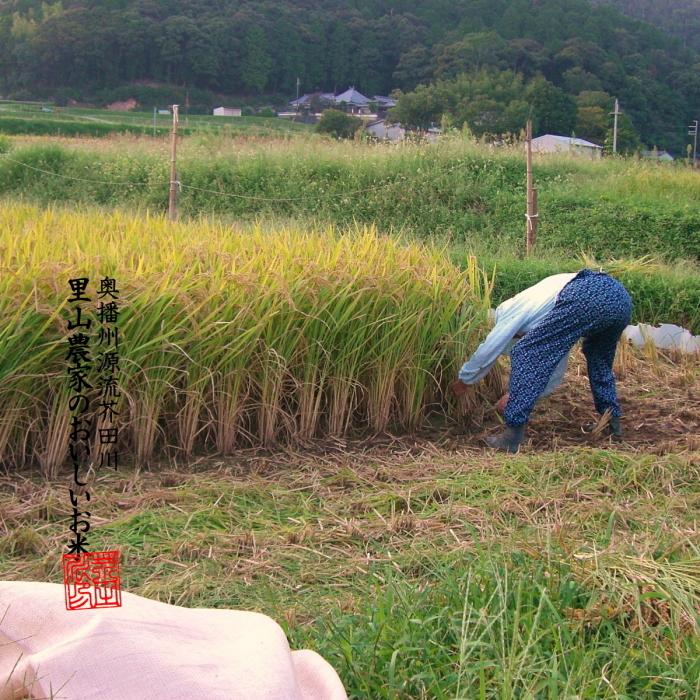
(551, 143)
(321, 98)
(382, 129)
(227, 112)
(354, 100)
(663, 156)
(351, 100)
(384, 102)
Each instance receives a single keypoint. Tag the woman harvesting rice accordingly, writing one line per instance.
(541, 325)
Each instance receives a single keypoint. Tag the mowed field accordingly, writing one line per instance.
(289, 443)
(22, 118)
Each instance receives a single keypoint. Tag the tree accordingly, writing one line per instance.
(627, 137)
(420, 108)
(525, 56)
(256, 63)
(177, 34)
(368, 64)
(488, 101)
(473, 53)
(288, 56)
(340, 56)
(413, 68)
(578, 80)
(592, 123)
(338, 124)
(553, 111)
(595, 98)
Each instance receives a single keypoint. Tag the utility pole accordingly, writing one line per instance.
(616, 113)
(174, 184)
(693, 131)
(531, 215)
(297, 94)
(154, 120)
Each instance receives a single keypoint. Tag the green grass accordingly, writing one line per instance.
(455, 191)
(437, 575)
(660, 293)
(22, 119)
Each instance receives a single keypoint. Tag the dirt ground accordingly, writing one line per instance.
(659, 393)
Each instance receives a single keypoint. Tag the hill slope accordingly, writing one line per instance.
(84, 47)
(679, 18)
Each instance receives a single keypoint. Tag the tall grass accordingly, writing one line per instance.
(454, 190)
(230, 337)
(660, 293)
(507, 627)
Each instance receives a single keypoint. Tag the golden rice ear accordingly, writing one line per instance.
(623, 357)
(264, 334)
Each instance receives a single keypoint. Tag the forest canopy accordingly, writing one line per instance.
(558, 49)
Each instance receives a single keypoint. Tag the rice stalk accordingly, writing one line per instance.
(257, 336)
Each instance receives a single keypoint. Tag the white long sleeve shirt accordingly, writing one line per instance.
(515, 317)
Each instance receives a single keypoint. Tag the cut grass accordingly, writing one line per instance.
(443, 574)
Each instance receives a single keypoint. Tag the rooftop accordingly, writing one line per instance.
(568, 140)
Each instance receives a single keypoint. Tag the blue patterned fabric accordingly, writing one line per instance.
(592, 306)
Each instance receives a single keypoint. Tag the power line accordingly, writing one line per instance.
(73, 177)
(329, 195)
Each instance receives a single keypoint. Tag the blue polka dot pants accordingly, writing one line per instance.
(592, 306)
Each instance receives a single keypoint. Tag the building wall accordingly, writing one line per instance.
(545, 144)
(227, 112)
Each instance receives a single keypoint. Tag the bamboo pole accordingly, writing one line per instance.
(531, 194)
(172, 201)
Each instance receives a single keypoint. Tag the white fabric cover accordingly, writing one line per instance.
(667, 336)
(150, 650)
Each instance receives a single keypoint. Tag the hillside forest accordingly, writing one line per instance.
(488, 64)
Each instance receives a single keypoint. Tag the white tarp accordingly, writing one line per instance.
(667, 336)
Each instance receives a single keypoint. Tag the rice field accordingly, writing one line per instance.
(22, 118)
(231, 336)
(421, 566)
(290, 443)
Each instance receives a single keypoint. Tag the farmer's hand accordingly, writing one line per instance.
(459, 388)
(501, 405)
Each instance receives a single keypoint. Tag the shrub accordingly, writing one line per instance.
(338, 124)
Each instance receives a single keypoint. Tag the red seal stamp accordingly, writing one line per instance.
(91, 580)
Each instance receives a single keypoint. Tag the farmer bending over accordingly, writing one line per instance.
(541, 325)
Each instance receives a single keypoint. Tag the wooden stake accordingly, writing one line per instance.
(174, 184)
(531, 195)
(534, 219)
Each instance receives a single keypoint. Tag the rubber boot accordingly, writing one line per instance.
(509, 440)
(613, 427)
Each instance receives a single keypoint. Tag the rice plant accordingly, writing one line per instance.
(230, 337)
